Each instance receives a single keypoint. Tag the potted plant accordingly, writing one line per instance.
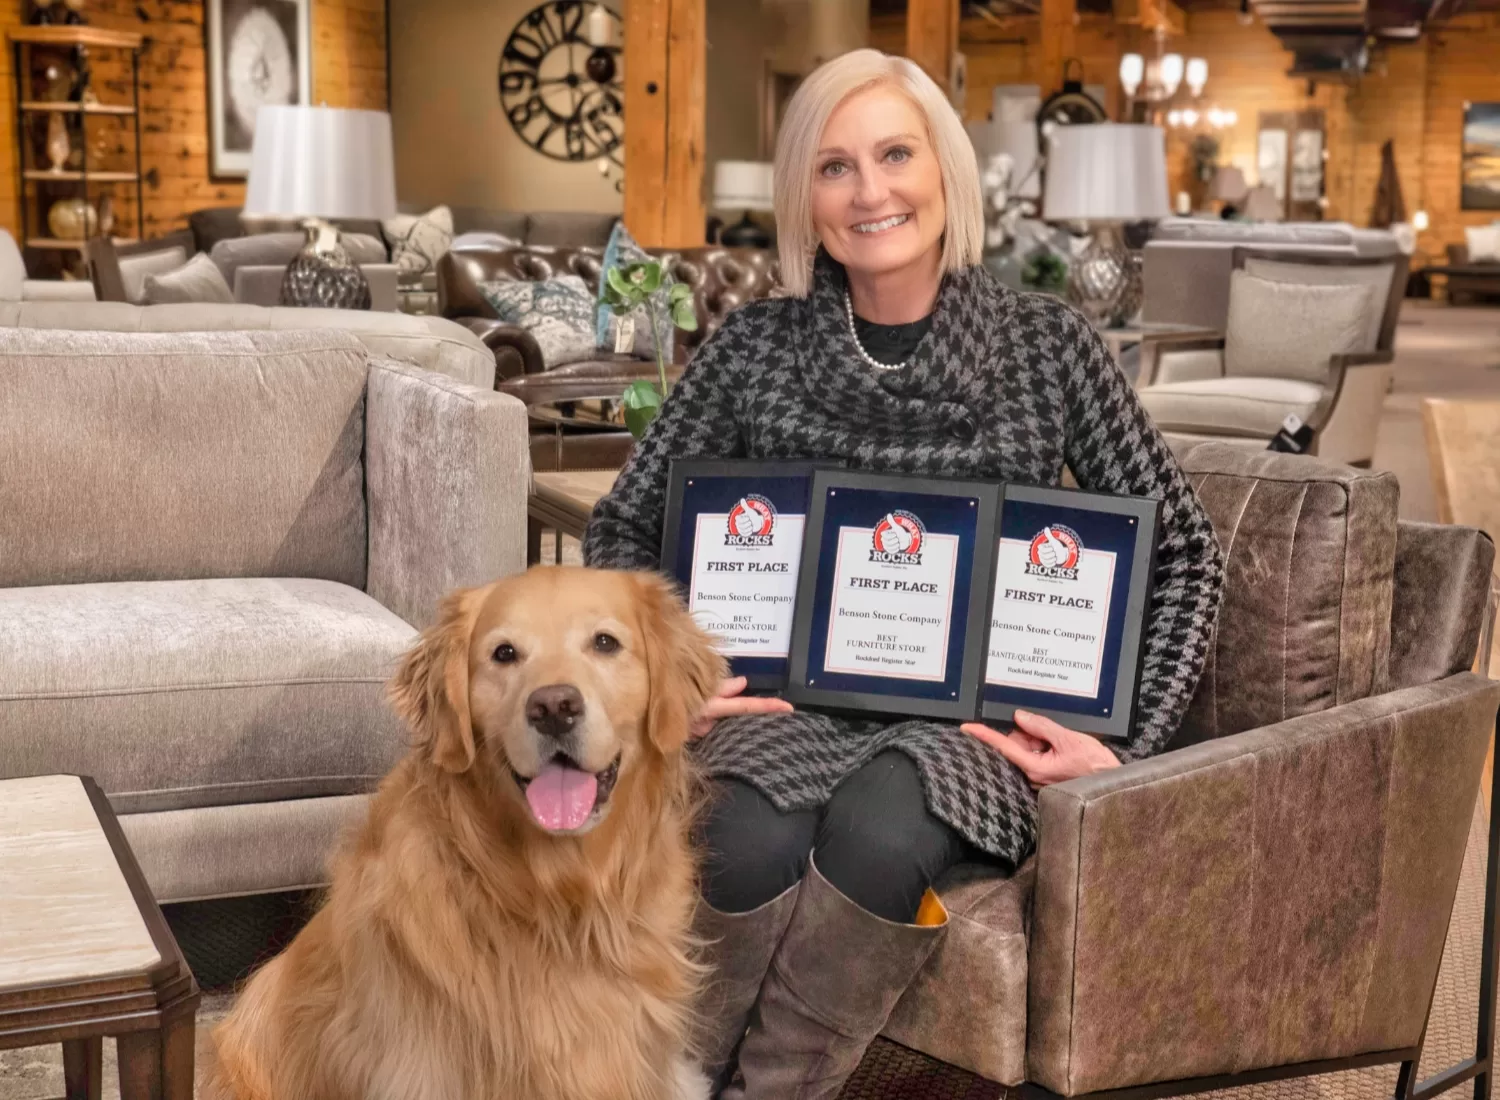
(627, 289)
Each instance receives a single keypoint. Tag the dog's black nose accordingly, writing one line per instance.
(553, 709)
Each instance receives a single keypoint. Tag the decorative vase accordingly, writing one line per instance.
(1105, 281)
(75, 11)
(72, 219)
(107, 216)
(58, 146)
(323, 275)
(41, 12)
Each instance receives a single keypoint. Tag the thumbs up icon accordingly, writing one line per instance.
(747, 521)
(894, 538)
(1053, 551)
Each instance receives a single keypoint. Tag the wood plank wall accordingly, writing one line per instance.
(349, 70)
(1414, 95)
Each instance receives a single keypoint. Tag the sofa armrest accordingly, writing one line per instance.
(57, 290)
(447, 470)
(1274, 897)
(1189, 363)
(516, 350)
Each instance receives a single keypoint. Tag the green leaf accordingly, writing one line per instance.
(617, 281)
(642, 401)
(678, 292)
(645, 277)
(684, 316)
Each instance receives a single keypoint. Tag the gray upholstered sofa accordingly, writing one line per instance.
(432, 343)
(1273, 892)
(213, 549)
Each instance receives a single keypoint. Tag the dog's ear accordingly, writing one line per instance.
(684, 667)
(431, 688)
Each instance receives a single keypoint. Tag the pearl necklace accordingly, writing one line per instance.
(854, 335)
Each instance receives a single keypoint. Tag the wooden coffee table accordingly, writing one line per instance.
(562, 502)
(84, 949)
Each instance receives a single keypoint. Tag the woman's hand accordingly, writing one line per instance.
(729, 703)
(1046, 752)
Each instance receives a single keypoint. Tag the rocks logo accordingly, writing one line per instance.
(1054, 553)
(752, 522)
(898, 539)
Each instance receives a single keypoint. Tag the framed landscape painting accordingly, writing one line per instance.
(259, 53)
(1481, 157)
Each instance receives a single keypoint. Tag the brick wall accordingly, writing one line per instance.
(349, 70)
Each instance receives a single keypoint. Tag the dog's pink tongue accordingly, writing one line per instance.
(562, 797)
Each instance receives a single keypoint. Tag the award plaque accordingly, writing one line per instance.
(1072, 586)
(733, 538)
(892, 599)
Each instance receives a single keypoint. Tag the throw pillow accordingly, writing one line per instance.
(559, 312)
(198, 280)
(484, 238)
(135, 269)
(418, 241)
(1377, 276)
(1484, 243)
(623, 249)
(1291, 330)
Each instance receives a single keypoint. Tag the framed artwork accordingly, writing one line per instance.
(259, 53)
(1481, 157)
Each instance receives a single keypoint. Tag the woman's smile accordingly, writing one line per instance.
(883, 225)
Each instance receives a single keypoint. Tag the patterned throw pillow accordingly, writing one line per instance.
(622, 249)
(559, 312)
(418, 242)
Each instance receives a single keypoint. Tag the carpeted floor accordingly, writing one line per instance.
(893, 1073)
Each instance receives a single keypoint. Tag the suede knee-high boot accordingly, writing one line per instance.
(738, 948)
(833, 983)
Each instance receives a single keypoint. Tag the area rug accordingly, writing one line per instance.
(891, 1072)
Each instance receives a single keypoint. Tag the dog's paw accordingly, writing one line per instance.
(689, 1083)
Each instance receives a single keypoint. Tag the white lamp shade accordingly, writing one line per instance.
(1229, 184)
(323, 162)
(1018, 140)
(1132, 72)
(743, 185)
(1106, 172)
(1171, 72)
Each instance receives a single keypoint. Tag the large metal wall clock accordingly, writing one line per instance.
(562, 94)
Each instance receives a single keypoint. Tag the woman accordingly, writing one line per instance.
(894, 351)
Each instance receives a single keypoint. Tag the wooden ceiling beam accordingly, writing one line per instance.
(1151, 15)
(932, 37)
(666, 68)
(1059, 42)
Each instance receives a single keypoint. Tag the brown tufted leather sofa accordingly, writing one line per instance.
(1269, 898)
(722, 279)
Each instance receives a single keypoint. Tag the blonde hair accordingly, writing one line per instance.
(797, 146)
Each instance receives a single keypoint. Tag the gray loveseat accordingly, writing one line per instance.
(213, 549)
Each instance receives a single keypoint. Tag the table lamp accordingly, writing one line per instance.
(1107, 175)
(1229, 185)
(318, 163)
(743, 185)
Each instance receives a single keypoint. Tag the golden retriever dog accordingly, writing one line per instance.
(512, 921)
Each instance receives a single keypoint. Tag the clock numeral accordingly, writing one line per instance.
(517, 82)
(522, 113)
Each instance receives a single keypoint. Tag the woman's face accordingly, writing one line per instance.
(877, 195)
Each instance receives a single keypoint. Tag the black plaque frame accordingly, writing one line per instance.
(681, 470)
(1147, 513)
(976, 627)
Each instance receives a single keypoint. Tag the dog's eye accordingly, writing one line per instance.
(605, 643)
(504, 654)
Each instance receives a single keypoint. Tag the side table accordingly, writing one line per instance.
(84, 949)
(562, 502)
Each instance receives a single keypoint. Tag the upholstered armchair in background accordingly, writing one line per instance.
(1308, 335)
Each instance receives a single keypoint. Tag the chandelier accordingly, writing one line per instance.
(1155, 81)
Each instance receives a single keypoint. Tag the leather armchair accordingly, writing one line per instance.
(1270, 897)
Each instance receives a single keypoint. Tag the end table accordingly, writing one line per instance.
(84, 949)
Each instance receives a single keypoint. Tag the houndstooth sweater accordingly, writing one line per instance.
(1006, 386)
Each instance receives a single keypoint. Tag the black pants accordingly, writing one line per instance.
(874, 841)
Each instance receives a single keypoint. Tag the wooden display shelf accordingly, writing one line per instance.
(41, 176)
(76, 245)
(77, 36)
(74, 108)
